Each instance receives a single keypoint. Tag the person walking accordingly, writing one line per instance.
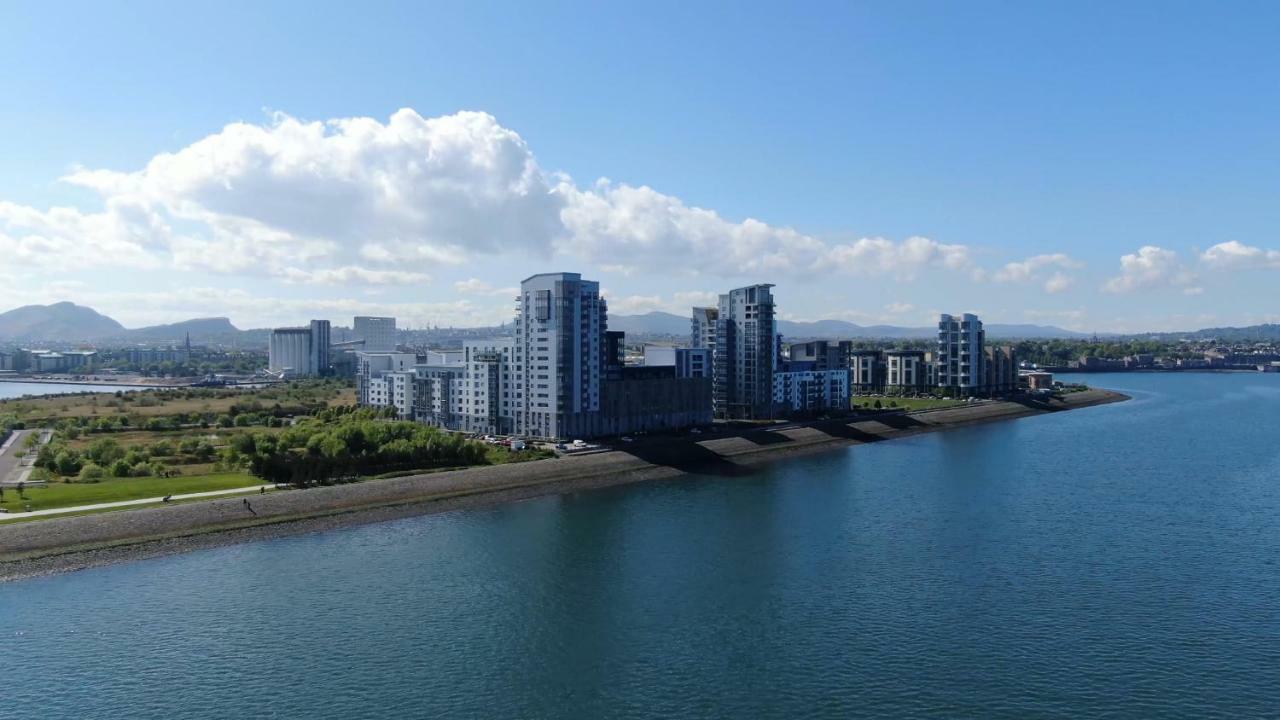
(249, 507)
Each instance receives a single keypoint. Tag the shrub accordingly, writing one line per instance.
(92, 473)
(120, 468)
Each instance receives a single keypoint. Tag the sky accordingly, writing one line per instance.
(1108, 167)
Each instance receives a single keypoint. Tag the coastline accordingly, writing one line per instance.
(65, 544)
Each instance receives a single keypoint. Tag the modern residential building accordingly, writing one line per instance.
(1000, 370)
(1040, 380)
(745, 353)
(378, 333)
(559, 360)
(386, 380)
(482, 397)
(300, 351)
(703, 331)
(798, 391)
(867, 372)
(824, 354)
(907, 371)
(688, 362)
(960, 353)
(434, 387)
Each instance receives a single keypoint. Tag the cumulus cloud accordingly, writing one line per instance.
(365, 201)
(476, 286)
(1235, 255)
(680, 303)
(1150, 267)
(1033, 269)
(898, 308)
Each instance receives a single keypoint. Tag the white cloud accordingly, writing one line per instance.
(680, 303)
(1150, 267)
(475, 286)
(1235, 255)
(353, 274)
(903, 259)
(898, 308)
(362, 201)
(1058, 282)
(1032, 269)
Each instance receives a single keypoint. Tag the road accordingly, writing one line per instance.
(9, 452)
(130, 503)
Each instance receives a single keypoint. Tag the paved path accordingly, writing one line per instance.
(129, 503)
(14, 469)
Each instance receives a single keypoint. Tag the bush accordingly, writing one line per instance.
(120, 468)
(92, 473)
(104, 451)
(68, 462)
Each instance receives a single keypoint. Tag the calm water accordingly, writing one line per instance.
(1113, 562)
(16, 390)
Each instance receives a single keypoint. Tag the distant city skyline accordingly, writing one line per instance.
(878, 165)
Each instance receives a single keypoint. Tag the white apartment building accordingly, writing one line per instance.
(703, 327)
(960, 352)
(483, 401)
(907, 371)
(378, 333)
(386, 380)
(745, 354)
(558, 364)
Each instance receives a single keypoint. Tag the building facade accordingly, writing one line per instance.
(559, 357)
(386, 380)
(960, 358)
(300, 351)
(907, 371)
(703, 331)
(1000, 370)
(745, 354)
(483, 398)
(378, 333)
(867, 372)
(688, 362)
(797, 392)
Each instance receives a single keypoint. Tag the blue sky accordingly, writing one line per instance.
(1085, 165)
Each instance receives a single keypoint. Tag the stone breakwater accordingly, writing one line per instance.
(59, 545)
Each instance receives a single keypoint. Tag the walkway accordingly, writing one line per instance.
(130, 503)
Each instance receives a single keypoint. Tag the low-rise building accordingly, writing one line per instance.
(688, 362)
(867, 372)
(1039, 381)
(799, 390)
(907, 371)
(386, 380)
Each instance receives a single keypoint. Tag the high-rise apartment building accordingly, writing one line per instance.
(559, 358)
(483, 401)
(703, 328)
(745, 354)
(960, 352)
(378, 333)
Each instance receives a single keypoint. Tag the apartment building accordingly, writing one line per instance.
(745, 353)
(960, 357)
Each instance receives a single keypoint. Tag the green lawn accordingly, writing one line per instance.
(113, 490)
(908, 403)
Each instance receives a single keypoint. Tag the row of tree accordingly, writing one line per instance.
(347, 444)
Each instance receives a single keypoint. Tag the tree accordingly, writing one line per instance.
(92, 473)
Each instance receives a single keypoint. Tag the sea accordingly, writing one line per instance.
(1120, 561)
(10, 389)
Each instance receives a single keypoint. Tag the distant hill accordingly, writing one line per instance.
(651, 323)
(60, 321)
(663, 323)
(1268, 332)
(201, 330)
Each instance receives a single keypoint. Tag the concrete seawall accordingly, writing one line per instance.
(56, 545)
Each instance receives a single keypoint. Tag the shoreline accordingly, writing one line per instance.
(66, 544)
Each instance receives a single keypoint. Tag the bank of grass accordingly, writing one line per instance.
(910, 404)
(58, 495)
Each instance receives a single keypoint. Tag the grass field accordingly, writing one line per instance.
(58, 495)
(907, 403)
(148, 403)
